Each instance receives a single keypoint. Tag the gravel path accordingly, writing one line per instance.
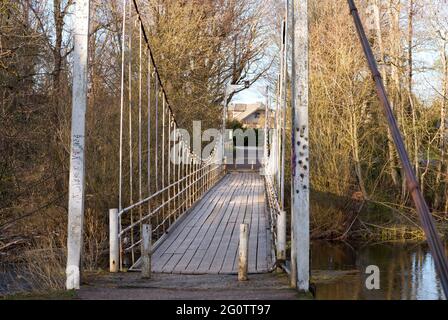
(130, 286)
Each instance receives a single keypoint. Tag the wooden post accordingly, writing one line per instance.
(114, 245)
(77, 152)
(146, 251)
(243, 253)
(281, 237)
(300, 163)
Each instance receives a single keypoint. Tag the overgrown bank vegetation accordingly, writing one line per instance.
(353, 156)
(359, 190)
(198, 46)
(358, 187)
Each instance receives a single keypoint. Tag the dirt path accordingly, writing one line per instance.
(130, 286)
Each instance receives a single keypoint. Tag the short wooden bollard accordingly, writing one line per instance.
(243, 253)
(281, 236)
(146, 250)
(114, 245)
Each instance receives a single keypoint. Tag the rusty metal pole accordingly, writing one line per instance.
(427, 220)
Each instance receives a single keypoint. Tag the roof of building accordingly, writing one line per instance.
(243, 111)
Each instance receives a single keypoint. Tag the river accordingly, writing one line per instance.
(407, 271)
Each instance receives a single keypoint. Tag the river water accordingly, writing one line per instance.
(407, 271)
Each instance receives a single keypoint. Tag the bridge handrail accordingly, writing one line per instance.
(140, 203)
(147, 199)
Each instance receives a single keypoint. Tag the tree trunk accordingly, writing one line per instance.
(356, 158)
(412, 107)
(390, 145)
(442, 130)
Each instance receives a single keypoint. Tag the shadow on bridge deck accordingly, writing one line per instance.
(198, 260)
(207, 240)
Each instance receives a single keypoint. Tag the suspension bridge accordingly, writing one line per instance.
(180, 212)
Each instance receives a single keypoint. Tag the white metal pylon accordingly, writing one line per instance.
(300, 166)
(77, 152)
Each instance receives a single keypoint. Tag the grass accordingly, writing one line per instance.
(52, 295)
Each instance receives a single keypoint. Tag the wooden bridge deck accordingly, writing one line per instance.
(206, 241)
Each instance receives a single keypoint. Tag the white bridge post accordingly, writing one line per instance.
(77, 152)
(114, 245)
(300, 166)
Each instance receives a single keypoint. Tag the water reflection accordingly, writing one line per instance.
(407, 271)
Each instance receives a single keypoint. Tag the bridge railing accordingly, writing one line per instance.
(160, 178)
(275, 154)
(272, 177)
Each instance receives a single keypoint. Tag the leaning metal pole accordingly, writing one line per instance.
(427, 220)
(77, 152)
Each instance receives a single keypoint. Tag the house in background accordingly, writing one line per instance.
(251, 115)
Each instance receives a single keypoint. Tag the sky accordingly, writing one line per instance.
(251, 95)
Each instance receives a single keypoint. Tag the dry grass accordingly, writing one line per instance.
(43, 269)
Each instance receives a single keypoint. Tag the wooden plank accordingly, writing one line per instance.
(241, 219)
(183, 263)
(176, 246)
(172, 263)
(159, 263)
(219, 189)
(231, 252)
(206, 263)
(180, 245)
(184, 240)
(207, 240)
(206, 235)
(253, 234)
(226, 240)
(200, 243)
(262, 263)
(191, 217)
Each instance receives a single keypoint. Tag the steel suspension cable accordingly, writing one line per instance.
(131, 167)
(140, 119)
